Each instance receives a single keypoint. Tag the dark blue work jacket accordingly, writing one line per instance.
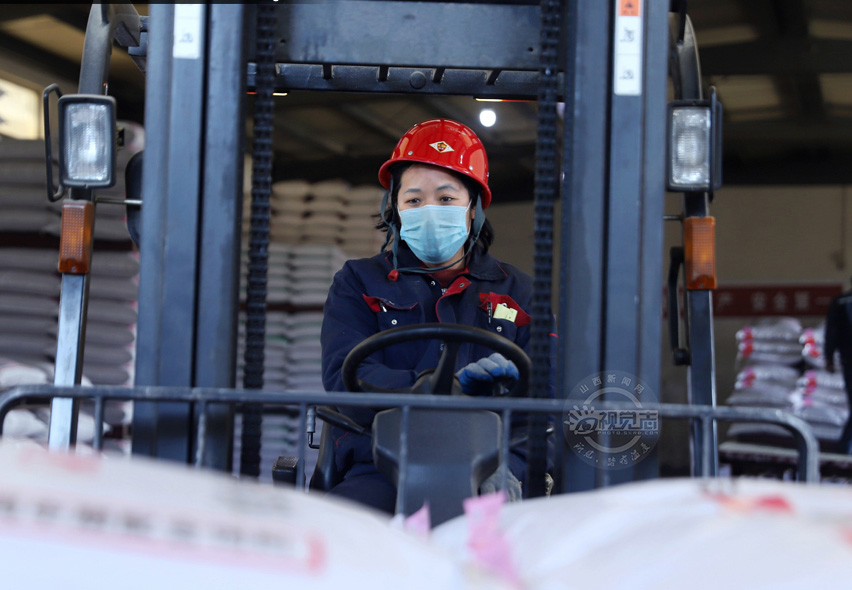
(363, 300)
(838, 329)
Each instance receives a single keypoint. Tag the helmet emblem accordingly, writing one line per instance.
(441, 147)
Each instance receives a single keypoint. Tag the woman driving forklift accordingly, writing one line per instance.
(433, 267)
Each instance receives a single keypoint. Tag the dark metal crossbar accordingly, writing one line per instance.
(806, 443)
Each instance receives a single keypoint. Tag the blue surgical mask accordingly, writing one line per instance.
(434, 232)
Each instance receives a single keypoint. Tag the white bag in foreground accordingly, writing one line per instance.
(676, 534)
(81, 522)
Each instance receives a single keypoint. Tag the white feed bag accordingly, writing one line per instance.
(81, 522)
(675, 534)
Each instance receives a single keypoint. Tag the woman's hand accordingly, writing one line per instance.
(478, 378)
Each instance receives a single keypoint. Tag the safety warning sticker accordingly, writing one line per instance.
(627, 58)
(187, 32)
(629, 7)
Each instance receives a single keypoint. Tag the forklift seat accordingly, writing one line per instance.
(325, 475)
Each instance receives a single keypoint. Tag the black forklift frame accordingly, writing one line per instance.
(204, 400)
(612, 189)
(698, 352)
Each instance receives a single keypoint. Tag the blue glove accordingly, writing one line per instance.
(477, 378)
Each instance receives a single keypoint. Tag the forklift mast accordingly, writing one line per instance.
(607, 61)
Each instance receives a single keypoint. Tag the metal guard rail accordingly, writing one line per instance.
(806, 443)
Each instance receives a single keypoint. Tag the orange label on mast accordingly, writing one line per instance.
(629, 8)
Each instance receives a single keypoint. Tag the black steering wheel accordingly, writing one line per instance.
(440, 381)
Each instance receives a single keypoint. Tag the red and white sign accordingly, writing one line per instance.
(774, 300)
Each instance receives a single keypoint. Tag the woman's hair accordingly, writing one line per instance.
(391, 213)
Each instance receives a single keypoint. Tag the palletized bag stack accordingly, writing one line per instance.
(329, 213)
(29, 303)
(279, 432)
(820, 399)
(31, 421)
(276, 342)
(298, 280)
(110, 355)
(291, 363)
(30, 284)
(27, 212)
(813, 342)
(314, 228)
(785, 369)
(322, 223)
(292, 355)
(768, 354)
(770, 342)
(297, 277)
(764, 386)
(359, 238)
(769, 357)
(312, 270)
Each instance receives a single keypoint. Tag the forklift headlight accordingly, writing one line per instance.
(695, 145)
(87, 141)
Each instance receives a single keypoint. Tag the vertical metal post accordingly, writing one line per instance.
(583, 194)
(221, 223)
(708, 451)
(506, 428)
(170, 231)
(303, 448)
(651, 257)
(402, 478)
(203, 411)
(613, 189)
(152, 251)
(623, 205)
(98, 442)
(68, 369)
(702, 368)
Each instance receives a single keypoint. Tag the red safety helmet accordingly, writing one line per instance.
(445, 143)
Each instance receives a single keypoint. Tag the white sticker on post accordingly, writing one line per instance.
(627, 57)
(187, 39)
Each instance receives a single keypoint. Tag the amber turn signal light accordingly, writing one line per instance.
(75, 243)
(699, 240)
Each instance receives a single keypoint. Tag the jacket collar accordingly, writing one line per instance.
(483, 267)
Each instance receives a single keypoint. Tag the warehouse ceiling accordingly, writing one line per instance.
(782, 69)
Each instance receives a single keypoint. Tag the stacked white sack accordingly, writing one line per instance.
(769, 356)
(813, 343)
(770, 342)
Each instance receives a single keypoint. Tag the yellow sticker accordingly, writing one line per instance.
(504, 312)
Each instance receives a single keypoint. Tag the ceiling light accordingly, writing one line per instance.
(487, 117)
